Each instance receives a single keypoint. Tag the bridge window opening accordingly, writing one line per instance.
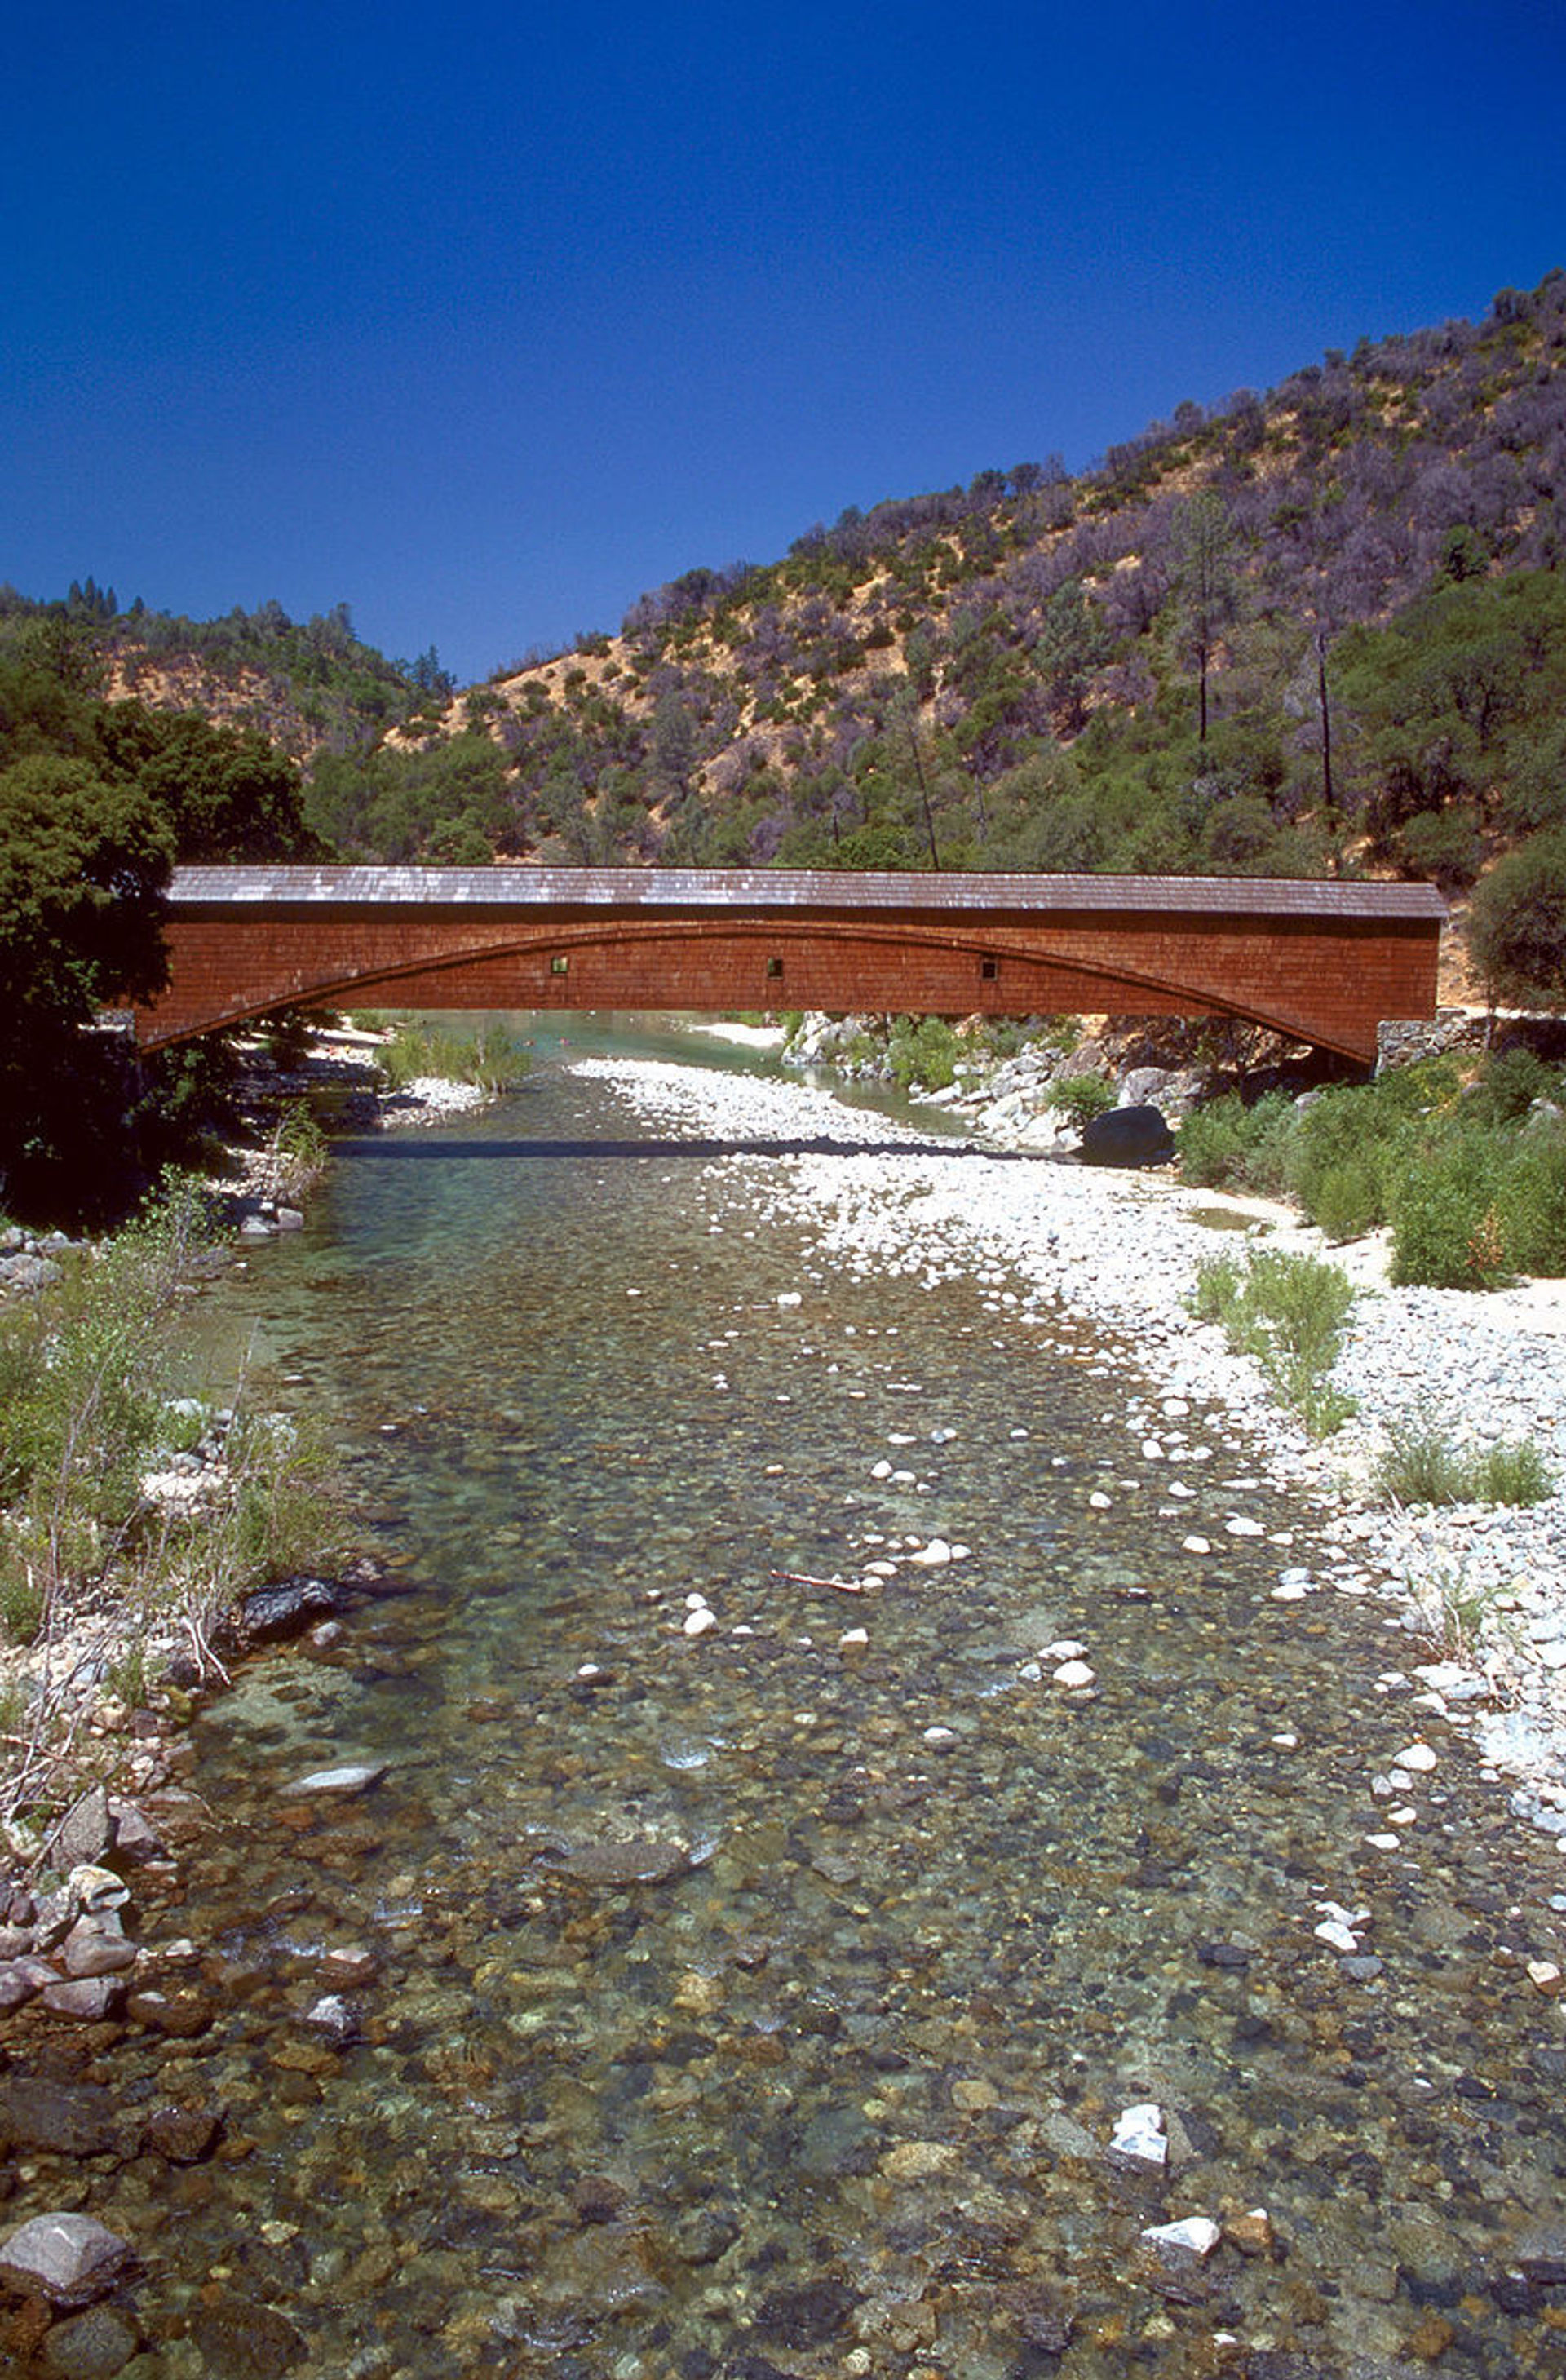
(560, 963)
(774, 970)
(988, 970)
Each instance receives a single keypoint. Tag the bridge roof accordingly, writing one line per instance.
(779, 891)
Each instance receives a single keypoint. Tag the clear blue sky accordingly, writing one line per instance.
(483, 321)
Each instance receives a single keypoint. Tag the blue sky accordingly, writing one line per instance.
(484, 321)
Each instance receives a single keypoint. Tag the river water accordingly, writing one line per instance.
(750, 2002)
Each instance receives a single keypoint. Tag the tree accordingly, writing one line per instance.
(83, 865)
(228, 794)
(1518, 926)
(1205, 584)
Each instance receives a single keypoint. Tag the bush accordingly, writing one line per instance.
(1348, 1201)
(1510, 1082)
(923, 1053)
(492, 1057)
(1288, 1312)
(1228, 1146)
(1420, 1466)
(1448, 1229)
(1081, 1097)
(1517, 930)
(1535, 1202)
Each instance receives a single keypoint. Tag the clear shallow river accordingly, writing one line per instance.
(723, 2021)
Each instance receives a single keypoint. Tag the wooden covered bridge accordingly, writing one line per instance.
(1324, 963)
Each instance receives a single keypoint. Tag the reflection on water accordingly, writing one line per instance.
(751, 2002)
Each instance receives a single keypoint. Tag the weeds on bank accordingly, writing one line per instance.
(298, 1150)
(1419, 1466)
(493, 1057)
(1470, 1176)
(1288, 1312)
(1456, 1614)
(86, 1553)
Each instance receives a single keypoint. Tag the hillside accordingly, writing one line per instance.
(1319, 628)
(307, 686)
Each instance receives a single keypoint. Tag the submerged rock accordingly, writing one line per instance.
(639, 1859)
(91, 2346)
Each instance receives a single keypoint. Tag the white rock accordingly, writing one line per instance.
(1064, 1648)
(1339, 1936)
(1099, 1501)
(1195, 1545)
(1139, 2133)
(696, 1623)
(1238, 1526)
(352, 1777)
(854, 1636)
(940, 1735)
(1074, 1674)
(1418, 1759)
(1195, 2235)
(935, 1556)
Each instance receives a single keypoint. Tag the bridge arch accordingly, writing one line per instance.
(1324, 963)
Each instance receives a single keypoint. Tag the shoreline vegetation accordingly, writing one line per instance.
(1428, 1424)
(146, 1534)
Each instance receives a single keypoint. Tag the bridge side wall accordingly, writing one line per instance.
(1327, 980)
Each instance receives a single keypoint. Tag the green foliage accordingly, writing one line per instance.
(1227, 1145)
(1518, 926)
(83, 1373)
(82, 866)
(1081, 1097)
(1448, 1228)
(1420, 1465)
(923, 1053)
(299, 1150)
(84, 1420)
(1471, 1184)
(1288, 1312)
(492, 1057)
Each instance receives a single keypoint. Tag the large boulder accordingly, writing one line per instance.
(1127, 1136)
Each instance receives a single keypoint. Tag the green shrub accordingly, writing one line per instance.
(1288, 1312)
(923, 1053)
(492, 1057)
(1514, 1472)
(1227, 1145)
(1534, 1197)
(1509, 1084)
(1081, 1097)
(1447, 1227)
(1421, 1466)
(1348, 1199)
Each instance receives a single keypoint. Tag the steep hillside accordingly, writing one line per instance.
(1317, 628)
(307, 686)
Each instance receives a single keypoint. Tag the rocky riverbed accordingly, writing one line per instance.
(714, 1919)
(1477, 1595)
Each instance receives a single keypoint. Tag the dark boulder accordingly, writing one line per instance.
(1127, 1136)
(275, 1612)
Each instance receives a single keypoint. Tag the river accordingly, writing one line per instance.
(757, 1994)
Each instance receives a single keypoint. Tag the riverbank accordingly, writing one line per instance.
(1477, 1595)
